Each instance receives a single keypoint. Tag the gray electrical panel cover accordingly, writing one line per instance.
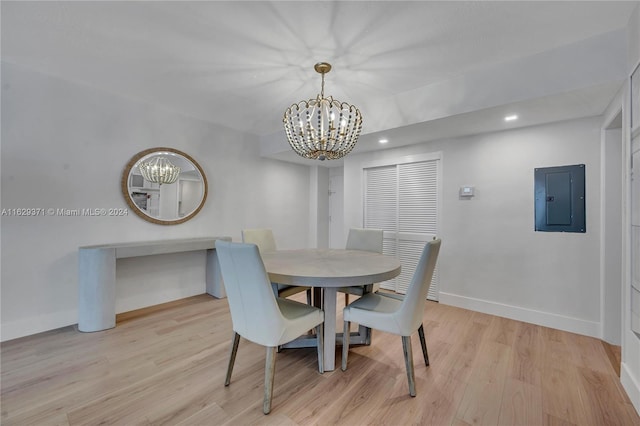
(560, 199)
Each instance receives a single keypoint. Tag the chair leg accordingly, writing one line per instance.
(232, 357)
(408, 360)
(269, 372)
(423, 342)
(366, 331)
(346, 299)
(345, 344)
(309, 301)
(320, 341)
(317, 296)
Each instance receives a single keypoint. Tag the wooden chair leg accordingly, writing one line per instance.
(346, 299)
(232, 357)
(345, 344)
(269, 372)
(408, 360)
(320, 341)
(423, 342)
(309, 301)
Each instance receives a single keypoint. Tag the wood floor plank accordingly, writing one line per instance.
(361, 401)
(602, 399)
(521, 404)
(528, 354)
(614, 353)
(561, 394)
(204, 416)
(460, 364)
(166, 366)
(481, 403)
(441, 396)
(130, 405)
(550, 420)
(308, 406)
(491, 363)
(588, 352)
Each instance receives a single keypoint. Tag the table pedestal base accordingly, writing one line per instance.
(327, 302)
(362, 337)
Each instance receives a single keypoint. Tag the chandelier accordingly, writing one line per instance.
(322, 128)
(159, 170)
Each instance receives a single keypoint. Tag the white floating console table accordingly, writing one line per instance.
(97, 275)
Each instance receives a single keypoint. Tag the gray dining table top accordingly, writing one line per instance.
(329, 267)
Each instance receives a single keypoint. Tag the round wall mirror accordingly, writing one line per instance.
(164, 186)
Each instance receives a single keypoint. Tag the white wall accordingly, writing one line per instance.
(492, 260)
(65, 146)
(337, 237)
(318, 206)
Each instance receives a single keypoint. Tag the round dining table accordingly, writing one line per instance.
(329, 270)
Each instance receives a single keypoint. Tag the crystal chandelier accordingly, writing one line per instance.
(322, 128)
(159, 170)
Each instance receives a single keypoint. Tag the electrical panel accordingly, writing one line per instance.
(560, 199)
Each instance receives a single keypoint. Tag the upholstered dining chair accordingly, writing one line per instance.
(366, 239)
(258, 315)
(264, 239)
(392, 315)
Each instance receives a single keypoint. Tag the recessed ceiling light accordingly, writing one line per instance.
(511, 117)
(383, 141)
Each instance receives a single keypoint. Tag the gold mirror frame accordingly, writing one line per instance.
(124, 184)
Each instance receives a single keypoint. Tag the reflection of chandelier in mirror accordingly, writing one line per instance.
(159, 170)
(322, 128)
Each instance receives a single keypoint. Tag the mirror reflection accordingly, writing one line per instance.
(164, 186)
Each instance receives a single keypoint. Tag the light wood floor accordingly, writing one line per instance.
(166, 365)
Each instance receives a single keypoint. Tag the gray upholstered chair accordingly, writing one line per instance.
(392, 315)
(365, 239)
(264, 239)
(257, 314)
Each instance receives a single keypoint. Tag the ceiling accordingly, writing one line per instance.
(404, 64)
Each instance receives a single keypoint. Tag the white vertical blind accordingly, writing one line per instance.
(403, 200)
(381, 195)
(418, 197)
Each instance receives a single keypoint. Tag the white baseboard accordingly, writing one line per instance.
(631, 385)
(26, 327)
(546, 319)
(33, 325)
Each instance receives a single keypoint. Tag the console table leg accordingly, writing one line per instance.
(96, 289)
(215, 286)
